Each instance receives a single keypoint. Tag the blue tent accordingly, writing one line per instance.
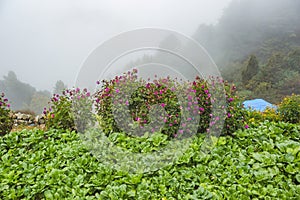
(258, 105)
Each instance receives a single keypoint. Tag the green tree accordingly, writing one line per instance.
(19, 93)
(251, 69)
(59, 87)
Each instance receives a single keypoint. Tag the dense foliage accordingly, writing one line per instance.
(6, 121)
(115, 97)
(260, 162)
(289, 109)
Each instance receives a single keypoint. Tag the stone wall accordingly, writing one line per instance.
(28, 120)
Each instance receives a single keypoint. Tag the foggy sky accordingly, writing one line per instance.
(45, 41)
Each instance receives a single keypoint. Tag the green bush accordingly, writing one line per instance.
(289, 109)
(198, 98)
(6, 121)
(256, 117)
(64, 108)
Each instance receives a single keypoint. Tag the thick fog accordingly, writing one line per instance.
(46, 41)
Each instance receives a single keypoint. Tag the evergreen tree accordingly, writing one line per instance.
(251, 69)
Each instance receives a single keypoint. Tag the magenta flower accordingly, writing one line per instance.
(117, 90)
(98, 82)
(230, 99)
(246, 126)
(163, 105)
(88, 94)
(228, 115)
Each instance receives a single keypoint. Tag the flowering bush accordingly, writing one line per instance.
(6, 121)
(128, 104)
(256, 117)
(289, 109)
(64, 110)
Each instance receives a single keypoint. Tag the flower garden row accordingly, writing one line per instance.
(198, 100)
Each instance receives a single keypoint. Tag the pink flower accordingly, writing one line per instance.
(52, 115)
(117, 90)
(201, 109)
(246, 126)
(8, 105)
(228, 115)
(230, 99)
(88, 94)
(138, 119)
(98, 82)
(106, 90)
(126, 103)
(163, 105)
(180, 131)
(170, 124)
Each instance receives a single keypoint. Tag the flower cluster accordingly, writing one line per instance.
(128, 104)
(63, 110)
(6, 121)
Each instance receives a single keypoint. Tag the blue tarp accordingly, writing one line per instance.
(258, 105)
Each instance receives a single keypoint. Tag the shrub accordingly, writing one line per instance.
(64, 108)
(6, 121)
(256, 117)
(115, 96)
(289, 109)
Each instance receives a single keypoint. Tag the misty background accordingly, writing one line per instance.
(255, 43)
